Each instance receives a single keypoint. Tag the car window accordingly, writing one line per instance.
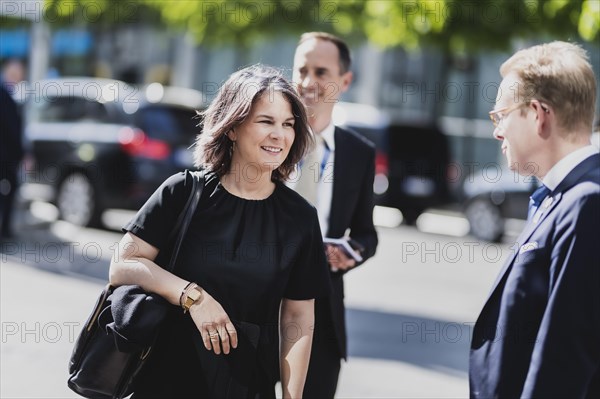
(68, 109)
(168, 123)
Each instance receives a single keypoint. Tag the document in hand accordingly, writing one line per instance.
(345, 246)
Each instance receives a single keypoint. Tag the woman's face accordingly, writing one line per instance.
(263, 141)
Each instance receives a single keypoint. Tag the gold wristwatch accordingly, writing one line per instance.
(190, 296)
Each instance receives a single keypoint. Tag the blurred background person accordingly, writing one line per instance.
(11, 150)
(337, 177)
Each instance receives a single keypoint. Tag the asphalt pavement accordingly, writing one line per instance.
(410, 309)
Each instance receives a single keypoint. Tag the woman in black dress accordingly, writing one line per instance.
(252, 260)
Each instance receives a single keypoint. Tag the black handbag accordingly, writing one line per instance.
(106, 360)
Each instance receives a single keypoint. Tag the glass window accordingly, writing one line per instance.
(168, 123)
(68, 109)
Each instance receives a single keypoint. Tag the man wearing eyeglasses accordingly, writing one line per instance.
(538, 334)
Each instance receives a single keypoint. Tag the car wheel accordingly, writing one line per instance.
(485, 219)
(410, 215)
(77, 201)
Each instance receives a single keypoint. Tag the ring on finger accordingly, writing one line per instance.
(213, 335)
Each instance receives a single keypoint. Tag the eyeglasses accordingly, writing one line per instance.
(498, 115)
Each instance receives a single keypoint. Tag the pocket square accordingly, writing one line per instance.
(528, 247)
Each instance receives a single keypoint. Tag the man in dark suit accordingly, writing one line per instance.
(338, 179)
(538, 334)
(11, 149)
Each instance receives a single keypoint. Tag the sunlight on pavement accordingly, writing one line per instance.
(450, 225)
(44, 211)
(115, 219)
(416, 382)
(387, 217)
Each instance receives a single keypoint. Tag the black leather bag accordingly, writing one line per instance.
(118, 335)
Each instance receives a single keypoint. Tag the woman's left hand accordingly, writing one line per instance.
(214, 325)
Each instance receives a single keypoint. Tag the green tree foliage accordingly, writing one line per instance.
(468, 25)
(453, 25)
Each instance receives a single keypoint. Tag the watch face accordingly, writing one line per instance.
(195, 294)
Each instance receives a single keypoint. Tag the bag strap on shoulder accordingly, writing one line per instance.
(185, 217)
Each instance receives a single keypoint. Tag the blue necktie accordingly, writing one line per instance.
(536, 199)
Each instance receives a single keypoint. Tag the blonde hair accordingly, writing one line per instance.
(560, 75)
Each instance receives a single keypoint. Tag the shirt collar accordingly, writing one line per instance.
(563, 167)
(327, 135)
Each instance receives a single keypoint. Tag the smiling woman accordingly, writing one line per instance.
(263, 141)
(251, 260)
(251, 93)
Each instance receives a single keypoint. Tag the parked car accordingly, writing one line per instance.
(411, 164)
(419, 157)
(491, 197)
(372, 124)
(100, 144)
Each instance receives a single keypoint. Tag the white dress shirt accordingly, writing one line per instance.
(563, 167)
(325, 191)
(325, 186)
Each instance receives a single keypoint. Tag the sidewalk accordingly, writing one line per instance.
(41, 315)
(409, 312)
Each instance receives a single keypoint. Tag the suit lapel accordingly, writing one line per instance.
(340, 171)
(579, 172)
(569, 181)
(525, 235)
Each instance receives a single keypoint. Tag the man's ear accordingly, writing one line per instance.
(346, 81)
(544, 116)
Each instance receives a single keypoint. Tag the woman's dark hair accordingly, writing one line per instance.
(232, 106)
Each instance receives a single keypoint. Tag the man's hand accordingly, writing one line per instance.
(338, 259)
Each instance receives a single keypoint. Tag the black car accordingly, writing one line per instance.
(411, 164)
(372, 124)
(100, 144)
(491, 197)
(418, 169)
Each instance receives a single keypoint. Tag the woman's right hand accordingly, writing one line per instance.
(214, 325)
